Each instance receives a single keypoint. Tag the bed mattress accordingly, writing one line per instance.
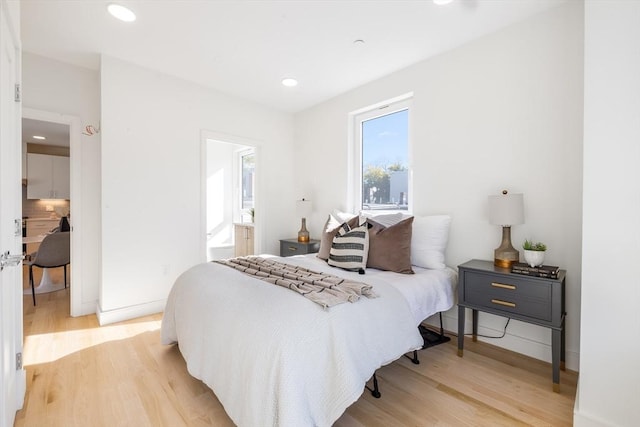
(274, 358)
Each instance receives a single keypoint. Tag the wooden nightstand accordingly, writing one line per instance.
(289, 247)
(485, 287)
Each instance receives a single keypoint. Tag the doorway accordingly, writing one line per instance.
(230, 194)
(45, 196)
(62, 143)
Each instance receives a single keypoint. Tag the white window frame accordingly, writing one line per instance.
(380, 109)
(242, 214)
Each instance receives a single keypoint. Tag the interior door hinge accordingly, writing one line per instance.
(17, 94)
(18, 227)
(18, 361)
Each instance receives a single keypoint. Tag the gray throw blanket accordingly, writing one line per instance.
(321, 288)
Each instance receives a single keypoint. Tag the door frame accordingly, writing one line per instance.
(260, 219)
(75, 154)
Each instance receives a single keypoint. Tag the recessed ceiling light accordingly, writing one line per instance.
(38, 137)
(442, 2)
(358, 42)
(121, 12)
(289, 82)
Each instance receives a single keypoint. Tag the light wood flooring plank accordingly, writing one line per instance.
(81, 374)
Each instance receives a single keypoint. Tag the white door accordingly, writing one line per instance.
(12, 376)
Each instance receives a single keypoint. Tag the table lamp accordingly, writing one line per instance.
(303, 209)
(506, 210)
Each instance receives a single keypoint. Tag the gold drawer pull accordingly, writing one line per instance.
(293, 248)
(505, 303)
(503, 286)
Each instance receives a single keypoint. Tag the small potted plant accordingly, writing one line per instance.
(534, 252)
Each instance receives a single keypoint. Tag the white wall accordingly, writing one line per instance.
(57, 87)
(13, 9)
(610, 349)
(152, 207)
(504, 111)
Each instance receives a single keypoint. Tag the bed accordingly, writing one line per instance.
(273, 357)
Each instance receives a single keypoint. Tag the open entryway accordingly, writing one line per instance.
(50, 199)
(230, 198)
(45, 206)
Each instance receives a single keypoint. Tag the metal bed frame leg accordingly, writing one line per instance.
(414, 359)
(375, 391)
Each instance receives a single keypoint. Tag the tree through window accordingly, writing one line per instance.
(384, 158)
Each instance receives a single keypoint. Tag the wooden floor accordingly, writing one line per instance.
(80, 374)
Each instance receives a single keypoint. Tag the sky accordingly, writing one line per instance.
(386, 140)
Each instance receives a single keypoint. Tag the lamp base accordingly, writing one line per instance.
(303, 234)
(504, 263)
(506, 255)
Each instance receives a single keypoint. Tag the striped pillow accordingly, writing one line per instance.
(350, 248)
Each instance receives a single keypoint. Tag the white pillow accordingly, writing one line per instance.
(341, 216)
(429, 241)
(386, 220)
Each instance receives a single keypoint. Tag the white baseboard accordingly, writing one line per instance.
(85, 309)
(21, 388)
(519, 344)
(586, 420)
(581, 419)
(131, 312)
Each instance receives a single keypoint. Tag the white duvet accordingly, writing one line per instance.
(275, 358)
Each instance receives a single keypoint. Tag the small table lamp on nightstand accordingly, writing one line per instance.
(506, 210)
(303, 209)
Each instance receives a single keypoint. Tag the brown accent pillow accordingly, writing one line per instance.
(390, 247)
(329, 231)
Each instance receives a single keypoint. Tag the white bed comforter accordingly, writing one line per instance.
(273, 357)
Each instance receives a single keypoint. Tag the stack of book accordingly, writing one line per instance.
(547, 271)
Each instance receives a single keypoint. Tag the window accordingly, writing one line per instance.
(247, 167)
(382, 159)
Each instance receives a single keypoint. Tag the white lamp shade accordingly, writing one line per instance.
(506, 209)
(303, 208)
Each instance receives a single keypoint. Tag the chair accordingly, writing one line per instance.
(63, 225)
(54, 251)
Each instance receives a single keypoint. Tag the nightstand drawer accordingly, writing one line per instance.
(290, 247)
(521, 296)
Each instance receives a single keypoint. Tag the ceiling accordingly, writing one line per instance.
(54, 133)
(245, 48)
